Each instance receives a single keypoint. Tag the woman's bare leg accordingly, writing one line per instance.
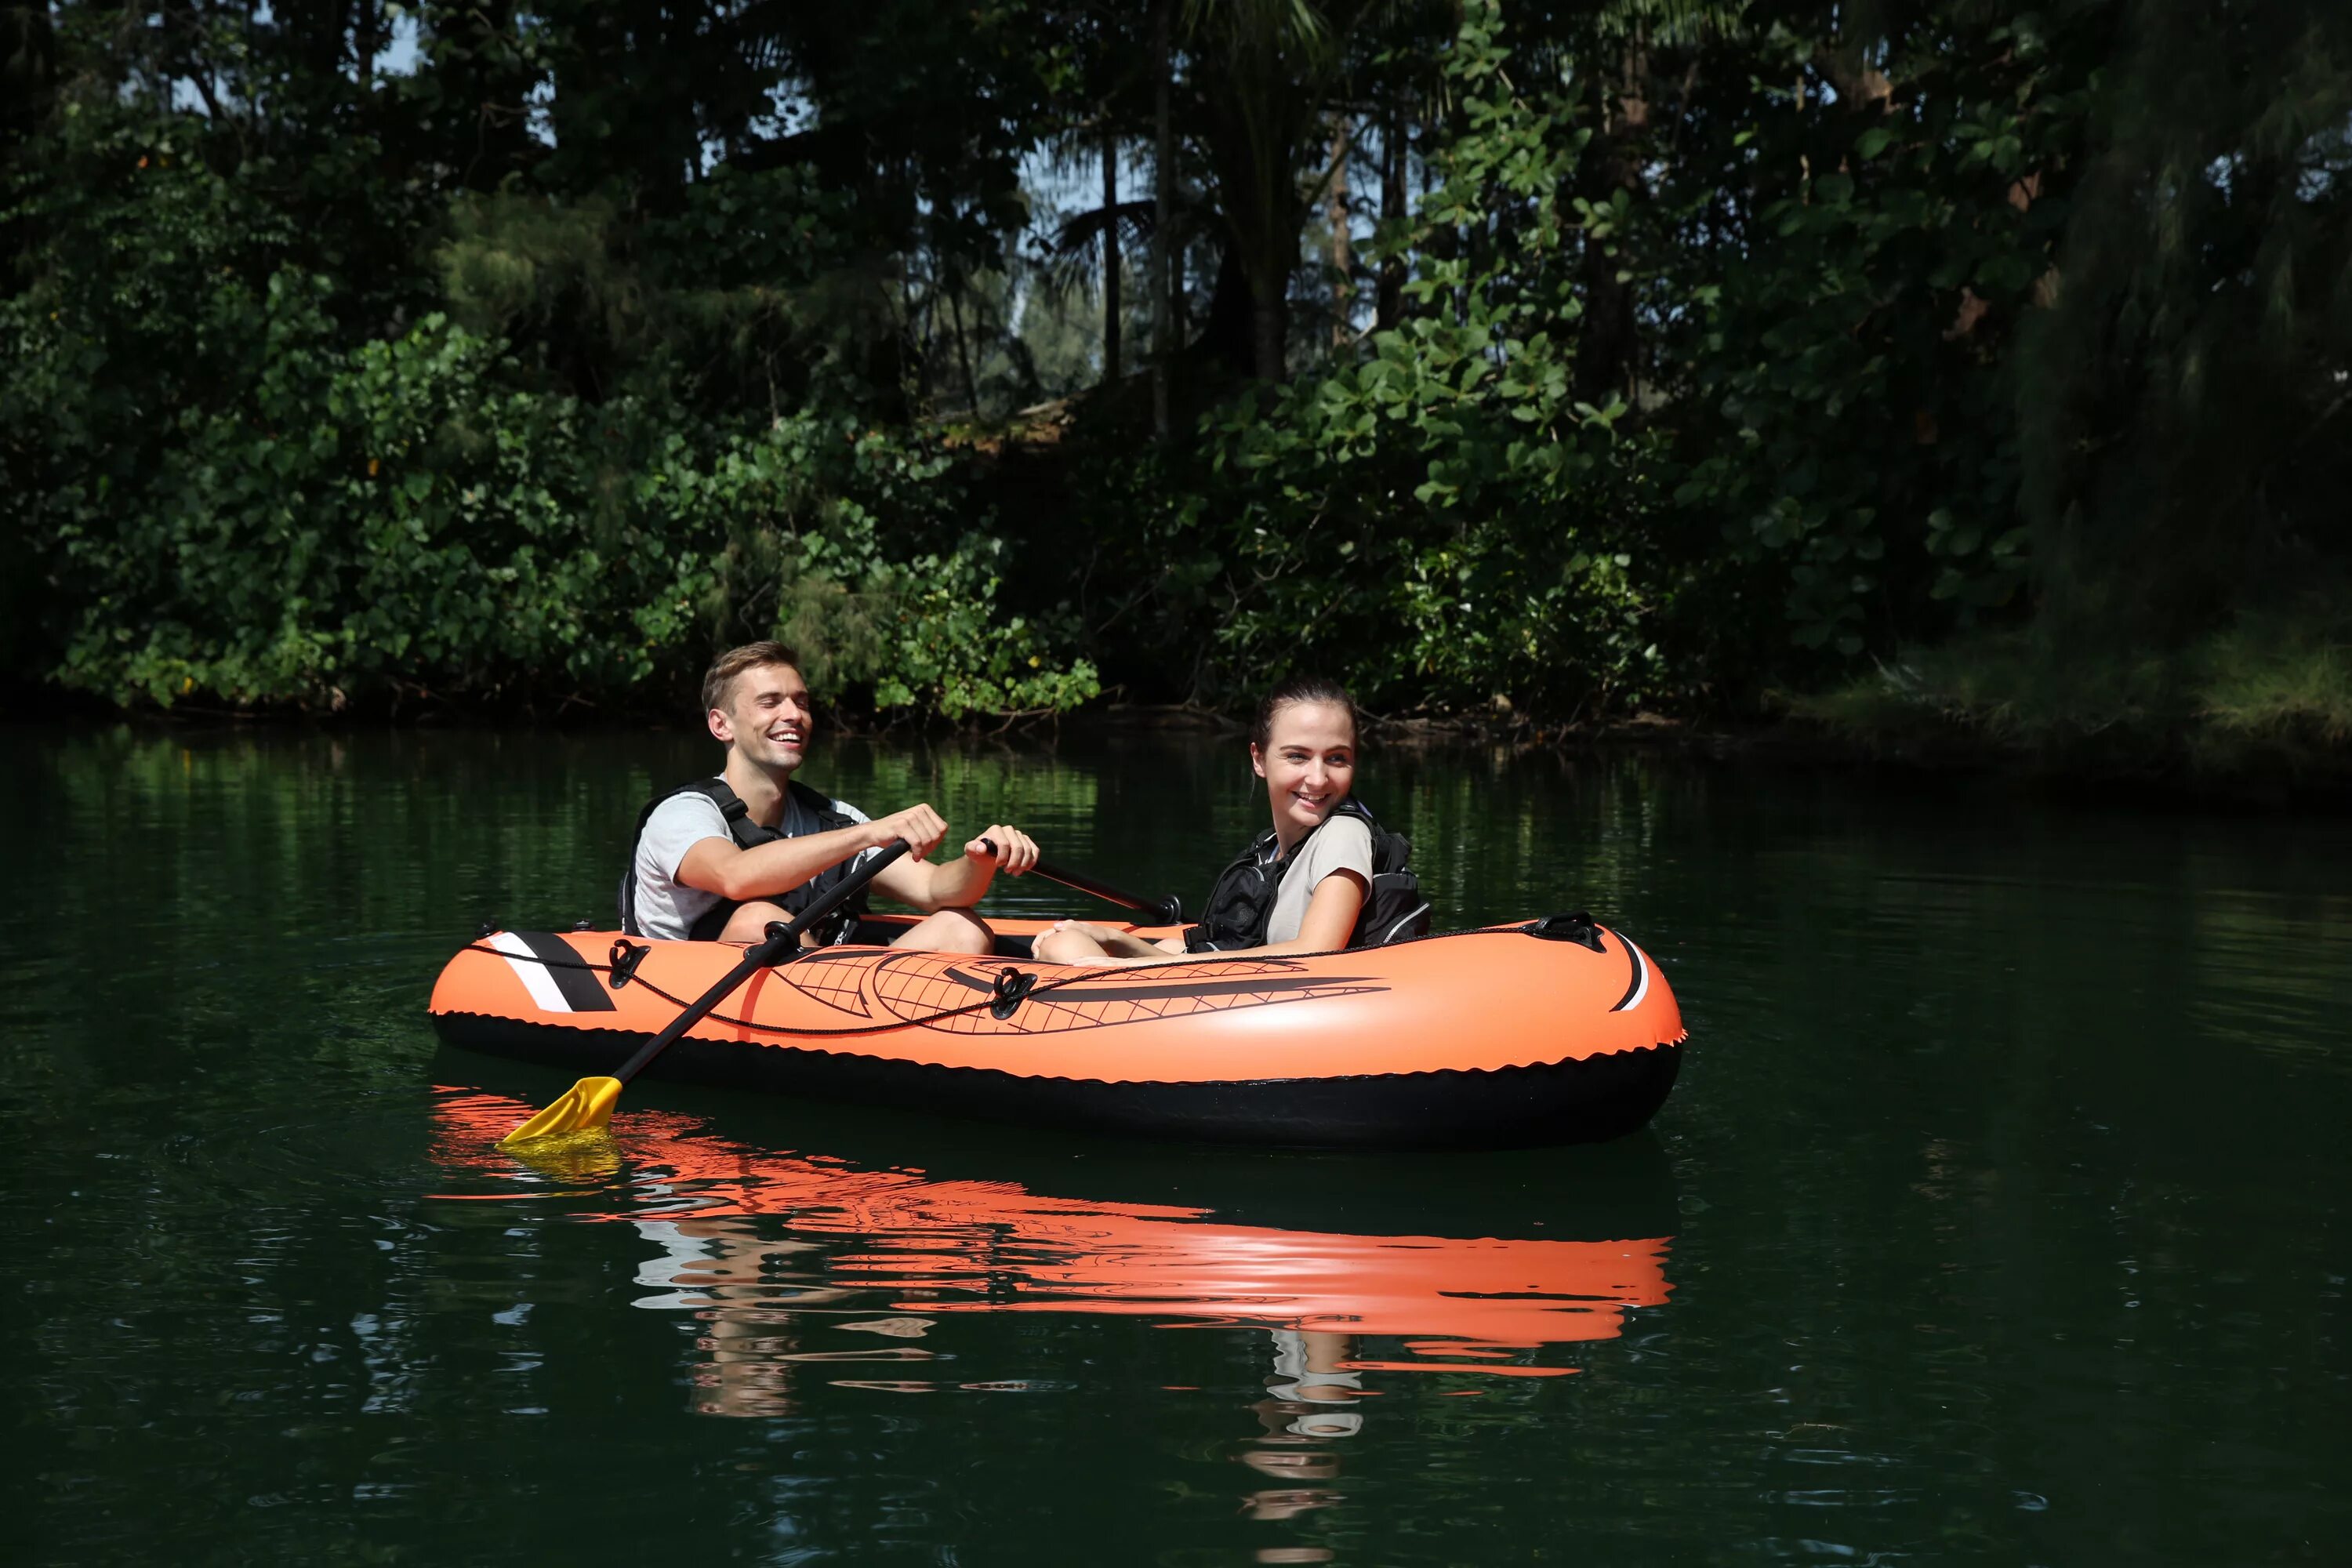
(1081, 941)
(1068, 947)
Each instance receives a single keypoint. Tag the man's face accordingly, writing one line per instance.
(768, 717)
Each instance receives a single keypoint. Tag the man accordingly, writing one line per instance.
(720, 858)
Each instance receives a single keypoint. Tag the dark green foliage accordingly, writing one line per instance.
(1955, 357)
(2180, 404)
(1854, 429)
(246, 463)
(2185, 405)
(1441, 519)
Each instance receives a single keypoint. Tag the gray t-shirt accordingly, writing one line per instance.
(668, 907)
(1341, 844)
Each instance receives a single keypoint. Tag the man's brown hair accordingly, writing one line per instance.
(718, 680)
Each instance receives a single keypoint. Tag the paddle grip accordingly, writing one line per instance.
(1166, 910)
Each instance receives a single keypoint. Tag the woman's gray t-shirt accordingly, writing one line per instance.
(1341, 844)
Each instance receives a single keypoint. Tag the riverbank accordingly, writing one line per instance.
(1913, 742)
(2233, 769)
(2257, 713)
(2262, 707)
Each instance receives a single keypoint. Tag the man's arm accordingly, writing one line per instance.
(721, 866)
(960, 883)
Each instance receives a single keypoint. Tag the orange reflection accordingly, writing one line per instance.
(919, 1247)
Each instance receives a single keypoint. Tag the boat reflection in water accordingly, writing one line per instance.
(841, 1266)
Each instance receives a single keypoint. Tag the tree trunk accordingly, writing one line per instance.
(1111, 258)
(1227, 335)
(488, 86)
(1269, 325)
(1180, 302)
(1389, 309)
(963, 351)
(1608, 337)
(1335, 212)
(366, 25)
(918, 328)
(1261, 105)
(1163, 206)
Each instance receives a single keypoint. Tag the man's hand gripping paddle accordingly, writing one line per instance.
(587, 1105)
(1165, 909)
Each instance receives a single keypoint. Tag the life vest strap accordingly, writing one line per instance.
(799, 799)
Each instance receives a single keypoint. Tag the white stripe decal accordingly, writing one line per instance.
(1642, 965)
(531, 972)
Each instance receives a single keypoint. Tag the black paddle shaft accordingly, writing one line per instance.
(1166, 910)
(782, 941)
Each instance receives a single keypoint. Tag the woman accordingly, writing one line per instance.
(1303, 887)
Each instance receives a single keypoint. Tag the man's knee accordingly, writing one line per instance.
(750, 922)
(949, 931)
(961, 931)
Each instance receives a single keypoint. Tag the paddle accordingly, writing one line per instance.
(1165, 909)
(588, 1104)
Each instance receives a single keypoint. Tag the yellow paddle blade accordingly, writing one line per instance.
(579, 1161)
(585, 1107)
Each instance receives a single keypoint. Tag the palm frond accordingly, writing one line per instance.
(1274, 22)
(1676, 22)
(1073, 250)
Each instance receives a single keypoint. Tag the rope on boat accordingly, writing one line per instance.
(627, 965)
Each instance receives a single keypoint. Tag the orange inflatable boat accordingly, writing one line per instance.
(1549, 1031)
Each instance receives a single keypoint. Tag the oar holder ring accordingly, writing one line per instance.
(626, 956)
(1011, 985)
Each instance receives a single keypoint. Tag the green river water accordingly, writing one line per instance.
(1999, 1215)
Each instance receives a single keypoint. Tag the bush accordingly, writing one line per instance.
(234, 486)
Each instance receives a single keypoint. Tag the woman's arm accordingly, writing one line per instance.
(1330, 916)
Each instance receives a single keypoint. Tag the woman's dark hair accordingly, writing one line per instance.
(1299, 689)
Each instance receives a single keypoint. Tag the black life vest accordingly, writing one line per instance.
(805, 811)
(1241, 904)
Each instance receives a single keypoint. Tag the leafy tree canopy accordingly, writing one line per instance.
(1550, 359)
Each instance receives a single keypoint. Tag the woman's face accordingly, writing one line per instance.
(1308, 763)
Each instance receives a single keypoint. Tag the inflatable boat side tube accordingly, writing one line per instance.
(1598, 1097)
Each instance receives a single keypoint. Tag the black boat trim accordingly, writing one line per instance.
(1576, 1102)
